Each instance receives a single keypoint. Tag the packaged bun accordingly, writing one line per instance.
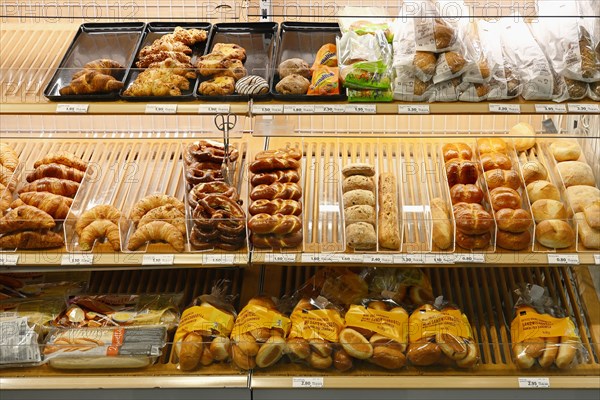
(203, 333)
(441, 334)
(542, 333)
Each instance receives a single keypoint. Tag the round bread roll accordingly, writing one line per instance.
(565, 150)
(354, 182)
(502, 178)
(576, 173)
(523, 129)
(533, 171)
(513, 241)
(514, 221)
(359, 197)
(581, 196)
(495, 160)
(466, 193)
(545, 209)
(293, 84)
(538, 190)
(555, 234)
(294, 66)
(490, 145)
(504, 197)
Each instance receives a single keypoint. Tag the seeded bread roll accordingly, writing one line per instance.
(294, 66)
(361, 236)
(359, 197)
(358, 169)
(361, 213)
(355, 182)
(293, 84)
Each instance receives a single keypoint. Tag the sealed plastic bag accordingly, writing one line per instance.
(365, 61)
(18, 342)
(401, 285)
(365, 21)
(325, 81)
(339, 285)
(542, 333)
(202, 336)
(326, 55)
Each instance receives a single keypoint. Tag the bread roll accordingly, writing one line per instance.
(473, 242)
(298, 348)
(503, 197)
(461, 151)
(359, 197)
(388, 357)
(355, 344)
(424, 352)
(548, 209)
(502, 178)
(472, 219)
(354, 182)
(495, 161)
(555, 234)
(523, 360)
(523, 129)
(358, 169)
(319, 362)
(565, 150)
(514, 221)
(460, 171)
(491, 145)
(589, 236)
(361, 236)
(550, 352)
(442, 227)
(592, 214)
(270, 352)
(533, 171)
(580, 196)
(387, 218)
(523, 144)
(342, 361)
(190, 351)
(466, 193)
(513, 241)
(576, 173)
(538, 190)
(566, 352)
(360, 213)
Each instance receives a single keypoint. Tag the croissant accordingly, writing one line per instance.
(55, 171)
(31, 240)
(7, 178)
(8, 157)
(164, 45)
(25, 217)
(91, 82)
(157, 231)
(55, 205)
(104, 66)
(168, 213)
(5, 199)
(153, 201)
(101, 228)
(64, 158)
(62, 187)
(102, 211)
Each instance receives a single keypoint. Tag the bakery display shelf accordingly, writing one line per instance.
(24, 74)
(486, 296)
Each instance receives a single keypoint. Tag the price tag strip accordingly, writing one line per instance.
(72, 108)
(439, 258)
(550, 108)
(161, 108)
(218, 259)
(8, 260)
(77, 259)
(469, 258)
(280, 258)
(409, 259)
(158, 259)
(378, 258)
(307, 382)
(330, 108)
(267, 108)
(414, 109)
(597, 259)
(213, 108)
(361, 108)
(505, 108)
(534, 383)
(563, 259)
(584, 108)
(298, 109)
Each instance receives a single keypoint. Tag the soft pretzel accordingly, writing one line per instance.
(202, 190)
(269, 164)
(277, 190)
(221, 213)
(102, 228)
(153, 201)
(209, 151)
(204, 241)
(267, 178)
(278, 224)
(63, 158)
(203, 172)
(103, 211)
(55, 171)
(157, 231)
(291, 152)
(277, 206)
(168, 213)
(277, 241)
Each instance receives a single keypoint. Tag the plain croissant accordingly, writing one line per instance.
(156, 231)
(63, 187)
(168, 213)
(55, 205)
(25, 218)
(31, 240)
(153, 201)
(8, 157)
(7, 178)
(63, 158)
(92, 82)
(103, 65)
(103, 211)
(98, 229)
(5, 199)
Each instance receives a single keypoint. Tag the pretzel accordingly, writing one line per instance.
(201, 190)
(277, 206)
(277, 190)
(269, 164)
(203, 172)
(294, 153)
(278, 224)
(224, 242)
(267, 178)
(276, 241)
(209, 151)
(219, 212)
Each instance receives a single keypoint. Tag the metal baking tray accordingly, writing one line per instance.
(259, 40)
(116, 41)
(303, 40)
(153, 31)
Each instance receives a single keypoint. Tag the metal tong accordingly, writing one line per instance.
(224, 123)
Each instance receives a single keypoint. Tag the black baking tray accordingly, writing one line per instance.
(116, 41)
(259, 40)
(153, 31)
(303, 40)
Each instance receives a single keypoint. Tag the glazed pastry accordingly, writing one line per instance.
(218, 86)
(252, 85)
(211, 64)
(162, 55)
(294, 66)
(277, 241)
(293, 84)
(230, 51)
(158, 82)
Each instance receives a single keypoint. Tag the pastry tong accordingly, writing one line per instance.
(224, 123)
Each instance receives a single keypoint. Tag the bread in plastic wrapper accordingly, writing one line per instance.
(369, 95)
(120, 310)
(40, 285)
(19, 339)
(202, 337)
(342, 286)
(40, 312)
(542, 333)
(365, 21)
(258, 335)
(108, 347)
(404, 286)
(441, 335)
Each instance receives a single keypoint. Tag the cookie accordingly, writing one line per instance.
(358, 169)
(359, 197)
(360, 213)
(361, 236)
(358, 182)
(252, 85)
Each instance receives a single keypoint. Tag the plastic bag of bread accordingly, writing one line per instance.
(376, 331)
(202, 336)
(315, 335)
(440, 334)
(541, 333)
(325, 81)
(411, 88)
(369, 95)
(258, 335)
(365, 21)
(340, 285)
(107, 347)
(402, 285)
(93, 311)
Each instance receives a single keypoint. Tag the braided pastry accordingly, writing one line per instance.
(277, 241)
(278, 224)
(153, 201)
(168, 213)
(157, 231)
(277, 206)
(221, 213)
(267, 178)
(203, 172)
(277, 190)
(55, 171)
(272, 164)
(102, 211)
(294, 153)
(202, 190)
(209, 151)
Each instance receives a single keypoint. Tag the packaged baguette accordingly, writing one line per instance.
(440, 334)
(376, 331)
(258, 335)
(202, 336)
(541, 332)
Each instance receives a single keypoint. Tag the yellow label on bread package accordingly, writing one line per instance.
(529, 324)
(204, 318)
(429, 323)
(314, 324)
(392, 325)
(255, 317)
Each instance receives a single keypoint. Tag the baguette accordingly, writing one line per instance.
(389, 232)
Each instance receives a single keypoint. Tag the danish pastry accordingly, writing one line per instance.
(218, 86)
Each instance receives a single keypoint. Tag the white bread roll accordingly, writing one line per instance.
(581, 196)
(565, 150)
(555, 234)
(589, 236)
(538, 190)
(576, 173)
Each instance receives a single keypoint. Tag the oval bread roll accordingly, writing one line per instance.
(360, 213)
(514, 221)
(548, 209)
(354, 182)
(538, 190)
(581, 196)
(592, 214)
(355, 344)
(565, 150)
(442, 227)
(576, 173)
(361, 236)
(359, 197)
(555, 234)
(513, 241)
(589, 236)
(533, 171)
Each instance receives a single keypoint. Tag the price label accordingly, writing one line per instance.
(311, 258)
(330, 108)
(470, 258)
(77, 259)
(307, 383)
(378, 258)
(72, 108)
(267, 108)
(534, 383)
(213, 108)
(158, 259)
(280, 258)
(439, 258)
(564, 259)
(220, 259)
(346, 258)
(8, 260)
(409, 258)
(505, 108)
(361, 108)
(597, 259)
(550, 108)
(584, 108)
(161, 108)
(414, 109)
(298, 109)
